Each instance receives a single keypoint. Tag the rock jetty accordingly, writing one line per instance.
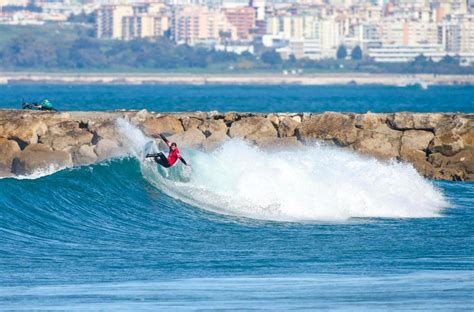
(438, 145)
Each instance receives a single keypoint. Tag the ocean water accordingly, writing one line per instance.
(260, 98)
(317, 228)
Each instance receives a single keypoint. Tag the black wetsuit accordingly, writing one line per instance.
(173, 156)
(161, 159)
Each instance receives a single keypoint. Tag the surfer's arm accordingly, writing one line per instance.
(165, 140)
(183, 161)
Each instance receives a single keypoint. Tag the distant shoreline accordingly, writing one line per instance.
(244, 79)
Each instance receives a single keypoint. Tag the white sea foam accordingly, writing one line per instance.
(133, 139)
(309, 184)
(38, 173)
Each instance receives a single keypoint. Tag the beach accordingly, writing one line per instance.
(233, 78)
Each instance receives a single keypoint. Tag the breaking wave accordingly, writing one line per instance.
(313, 183)
(305, 184)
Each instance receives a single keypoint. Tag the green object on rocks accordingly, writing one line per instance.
(47, 104)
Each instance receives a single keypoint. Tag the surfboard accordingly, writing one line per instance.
(148, 148)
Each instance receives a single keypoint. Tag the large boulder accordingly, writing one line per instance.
(190, 122)
(215, 140)
(463, 160)
(84, 155)
(453, 174)
(105, 130)
(193, 138)
(411, 121)
(274, 119)
(468, 137)
(23, 130)
(252, 128)
(8, 150)
(369, 120)
(39, 156)
(415, 140)
(337, 127)
(105, 149)
(381, 142)
(66, 134)
(447, 143)
(287, 126)
(165, 124)
(211, 126)
(414, 146)
(452, 135)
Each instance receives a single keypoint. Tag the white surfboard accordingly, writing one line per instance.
(149, 148)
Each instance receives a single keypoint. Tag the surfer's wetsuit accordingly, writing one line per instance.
(173, 155)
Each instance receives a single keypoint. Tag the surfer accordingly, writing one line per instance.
(173, 155)
(45, 105)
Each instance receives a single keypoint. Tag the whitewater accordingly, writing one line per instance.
(312, 183)
(309, 183)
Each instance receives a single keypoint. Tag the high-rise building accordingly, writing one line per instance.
(291, 26)
(458, 34)
(409, 33)
(146, 20)
(109, 20)
(194, 24)
(244, 20)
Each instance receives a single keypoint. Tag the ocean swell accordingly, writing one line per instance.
(311, 183)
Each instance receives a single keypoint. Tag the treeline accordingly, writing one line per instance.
(356, 62)
(89, 53)
(85, 52)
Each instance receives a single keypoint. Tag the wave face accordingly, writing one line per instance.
(313, 183)
(317, 183)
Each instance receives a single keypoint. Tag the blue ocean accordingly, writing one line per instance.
(242, 229)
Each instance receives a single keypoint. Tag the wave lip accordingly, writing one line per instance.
(315, 183)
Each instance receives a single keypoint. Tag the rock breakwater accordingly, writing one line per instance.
(438, 145)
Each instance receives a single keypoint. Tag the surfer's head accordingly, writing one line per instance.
(173, 145)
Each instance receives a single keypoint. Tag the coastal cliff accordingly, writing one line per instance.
(438, 145)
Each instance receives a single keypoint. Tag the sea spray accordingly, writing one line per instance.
(133, 139)
(314, 183)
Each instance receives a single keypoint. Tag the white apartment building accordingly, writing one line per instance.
(409, 33)
(404, 54)
(301, 48)
(127, 22)
(327, 33)
(291, 26)
(307, 36)
(458, 34)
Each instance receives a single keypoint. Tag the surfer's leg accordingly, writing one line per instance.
(162, 160)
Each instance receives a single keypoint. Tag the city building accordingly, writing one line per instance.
(386, 30)
(197, 23)
(404, 54)
(243, 19)
(125, 22)
(409, 33)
